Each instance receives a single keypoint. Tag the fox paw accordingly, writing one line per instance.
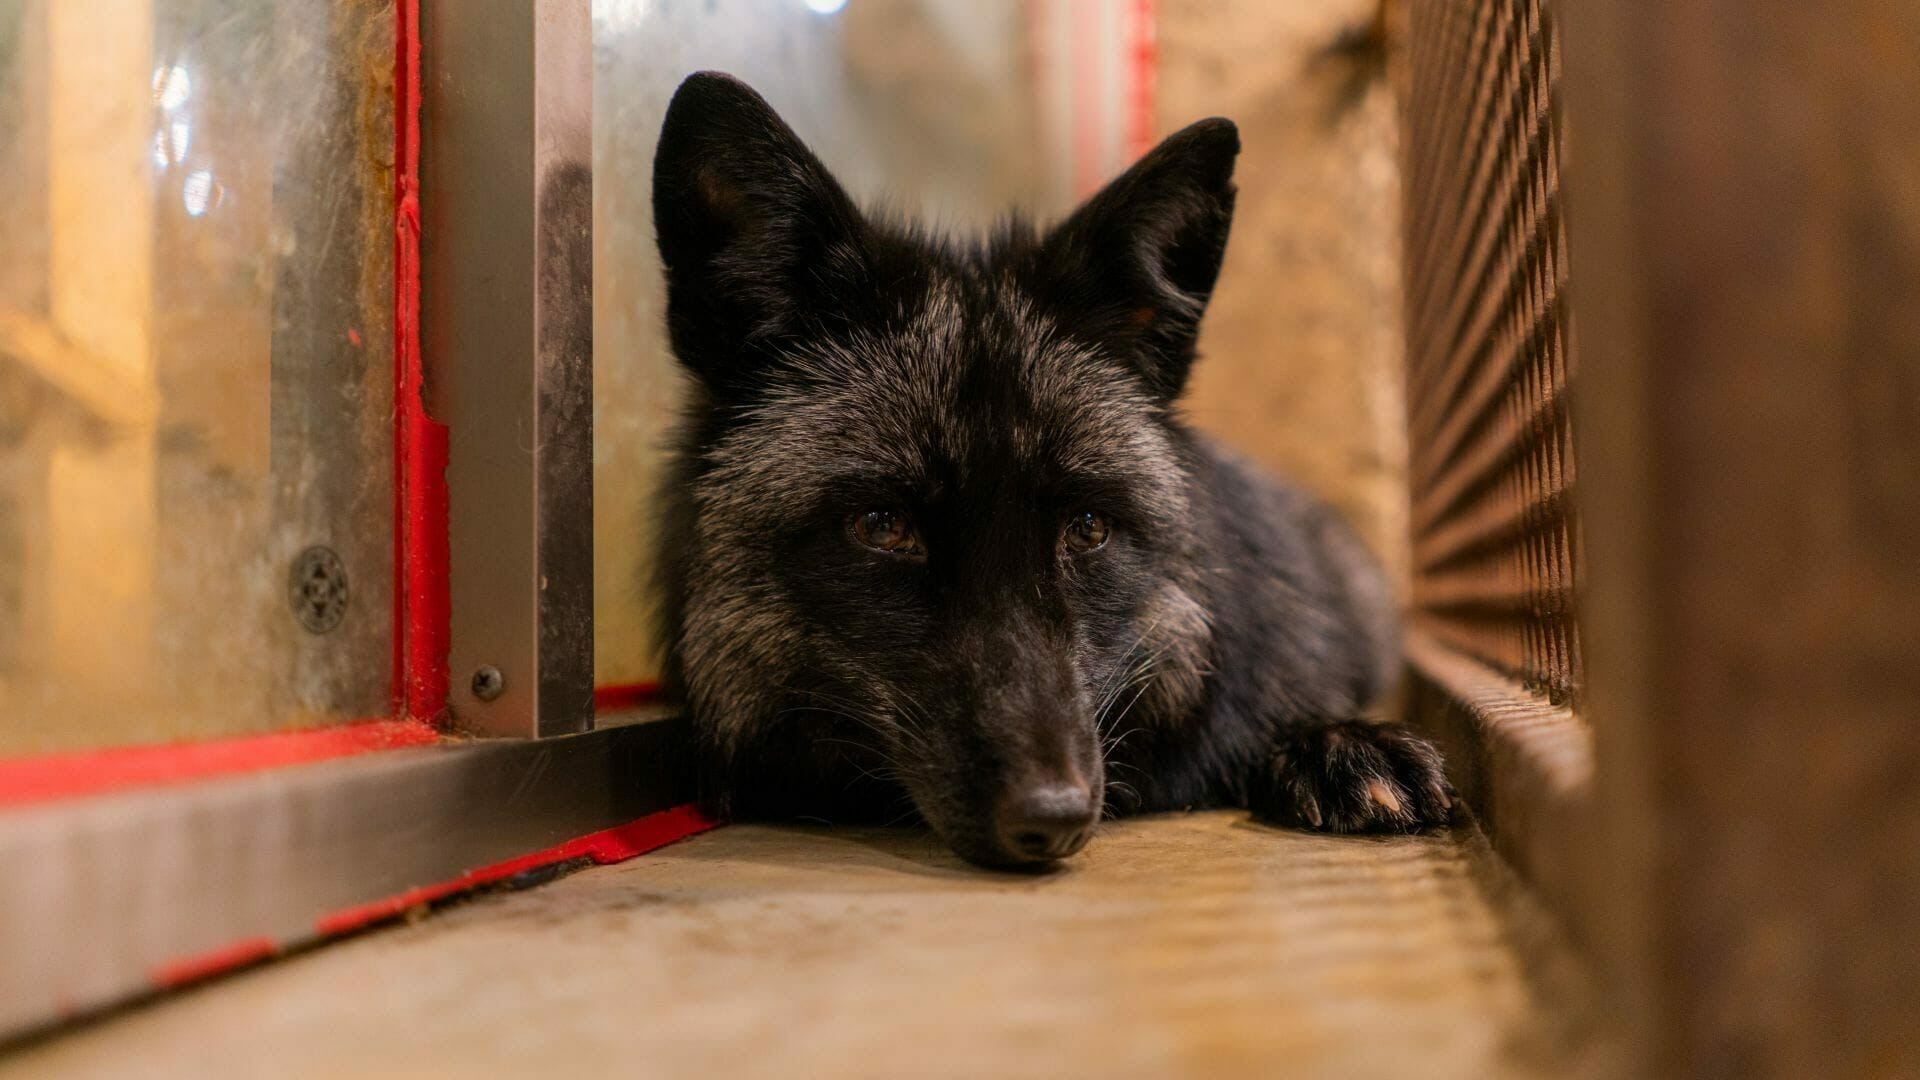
(1354, 777)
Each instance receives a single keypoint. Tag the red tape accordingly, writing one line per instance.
(607, 846)
(625, 696)
(232, 957)
(421, 606)
(95, 772)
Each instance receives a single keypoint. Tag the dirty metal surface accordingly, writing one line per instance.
(507, 339)
(1198, 945)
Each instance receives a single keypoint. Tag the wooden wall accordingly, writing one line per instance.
(1743, 185)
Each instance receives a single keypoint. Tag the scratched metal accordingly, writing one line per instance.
(1489, 357)
(195, 374)
(1188, 946)
(506, 327)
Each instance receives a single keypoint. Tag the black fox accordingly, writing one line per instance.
(936, 540)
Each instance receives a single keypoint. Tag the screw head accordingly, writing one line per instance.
(488, 683)
(317, 589)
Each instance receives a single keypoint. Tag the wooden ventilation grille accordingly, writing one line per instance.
(1492, 471)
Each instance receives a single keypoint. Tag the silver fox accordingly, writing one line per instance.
(937, 542)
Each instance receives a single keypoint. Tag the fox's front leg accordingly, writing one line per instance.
(1352, 776)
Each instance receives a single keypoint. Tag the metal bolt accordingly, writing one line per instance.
(489, 683)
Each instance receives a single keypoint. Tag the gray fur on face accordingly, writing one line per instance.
(886, 404)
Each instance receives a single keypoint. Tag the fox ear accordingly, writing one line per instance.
(1139, 259)
(756, 236)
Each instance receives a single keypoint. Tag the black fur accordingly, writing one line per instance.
(1217, 650)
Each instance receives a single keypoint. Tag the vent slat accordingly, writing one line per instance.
(1489, 358)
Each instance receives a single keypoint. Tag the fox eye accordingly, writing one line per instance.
(887, 530)
(1085, 531)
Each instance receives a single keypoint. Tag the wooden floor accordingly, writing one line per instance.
(1198, 945)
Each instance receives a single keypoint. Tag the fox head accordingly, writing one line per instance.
(929, 530)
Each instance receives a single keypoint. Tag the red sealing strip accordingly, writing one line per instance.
(606, 846)
(422, 611)
(625, 696)
(95, 772)
(232, 957)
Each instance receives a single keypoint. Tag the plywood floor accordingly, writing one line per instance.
(1197, 945)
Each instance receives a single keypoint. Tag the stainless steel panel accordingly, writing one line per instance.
(507, 333)
(101, 893)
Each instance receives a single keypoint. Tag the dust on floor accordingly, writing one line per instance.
(1192, 945)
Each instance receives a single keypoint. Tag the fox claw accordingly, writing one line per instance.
(1355, 777)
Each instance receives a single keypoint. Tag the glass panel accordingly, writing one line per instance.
(195, 375)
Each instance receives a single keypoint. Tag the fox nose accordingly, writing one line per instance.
(1048, 822)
